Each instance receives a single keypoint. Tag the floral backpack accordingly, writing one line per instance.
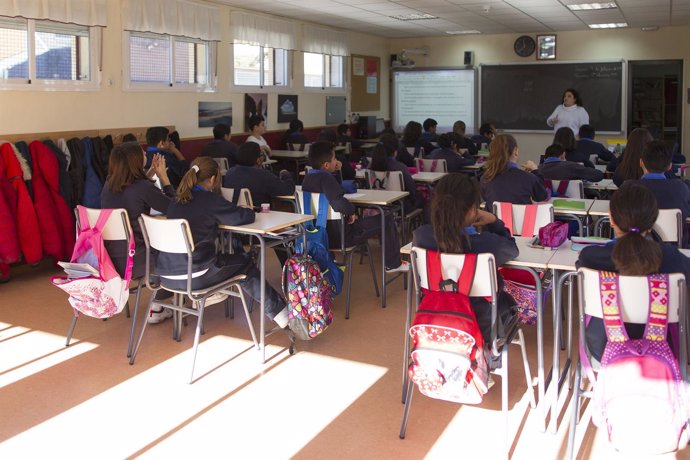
(94, 286)
(309, 297)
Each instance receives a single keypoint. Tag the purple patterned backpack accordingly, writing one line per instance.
(309, 296)
(639, 392)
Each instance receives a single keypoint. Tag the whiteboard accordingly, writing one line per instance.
(446, 95)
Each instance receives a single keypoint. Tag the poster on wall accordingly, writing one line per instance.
(212, 113)
(255, 104)
(287, 108)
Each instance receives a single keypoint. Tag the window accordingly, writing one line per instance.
(45, 53)
(168, 61)
(323, 71)
(259, 66)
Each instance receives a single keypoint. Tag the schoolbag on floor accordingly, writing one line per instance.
(104, 293)
(448, 359)
(309, 297)
(639, 394)
(317, 244)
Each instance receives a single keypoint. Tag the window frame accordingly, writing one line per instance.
(171, 86)
(262, 86)
(326, 60)
(31, 83)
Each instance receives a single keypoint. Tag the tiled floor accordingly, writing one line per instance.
(337, 398)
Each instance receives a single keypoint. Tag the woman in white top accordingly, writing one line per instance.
(257, 129)
(570, 113)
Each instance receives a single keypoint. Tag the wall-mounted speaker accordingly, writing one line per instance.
(468, 58)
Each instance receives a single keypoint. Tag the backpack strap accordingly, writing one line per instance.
(562, 187)
(507, 216)
(613, 323)
(657, 319)
(322, 213)
(529, 220)
(435, 275)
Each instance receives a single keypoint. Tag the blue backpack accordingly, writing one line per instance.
(317, 244)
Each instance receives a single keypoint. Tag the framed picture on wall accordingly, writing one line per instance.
(546, 47)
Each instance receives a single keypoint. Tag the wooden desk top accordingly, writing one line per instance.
(530, 257)
(599, 208)
(290, 154)
(428, 177)
(269, 222)
(564, 257)
(375, 197)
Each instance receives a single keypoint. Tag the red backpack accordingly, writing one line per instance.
(447, 345)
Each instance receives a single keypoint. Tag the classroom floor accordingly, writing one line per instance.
(338, 397)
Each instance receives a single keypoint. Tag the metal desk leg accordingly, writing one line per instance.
(406, 348)
(262, 320)
(383, 256)
(600, 224)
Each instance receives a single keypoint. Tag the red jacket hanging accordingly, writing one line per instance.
(9, 245)
(26, 221)
(55, 220)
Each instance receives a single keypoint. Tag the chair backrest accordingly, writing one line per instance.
(315, 198)
(222, 164)
(244, 199)
(669, 226)
(410, 150)
(299, 147)
(425, 165)
(348, 147)
(543, 216)
(117, 227)
(167, 235)
(484, 284)
(575, 189)
(384, 180)
(633, 295)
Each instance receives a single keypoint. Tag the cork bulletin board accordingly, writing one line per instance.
(365, 75)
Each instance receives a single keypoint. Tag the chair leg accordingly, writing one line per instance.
(348, 267)
(504, 396)
(574, 415)
(71, 329)
(197, 334)
(226, 305)
(141, 333)
(373, 271)
(249, 319)
(406, 409)
(528, 373)
(127, 315)
(134, 320)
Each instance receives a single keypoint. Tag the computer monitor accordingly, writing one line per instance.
(380, 126)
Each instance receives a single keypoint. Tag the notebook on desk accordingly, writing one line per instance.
(568, 204)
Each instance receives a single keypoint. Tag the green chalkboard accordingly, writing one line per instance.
(522, 96)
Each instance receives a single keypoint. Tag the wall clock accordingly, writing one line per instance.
(524, 46)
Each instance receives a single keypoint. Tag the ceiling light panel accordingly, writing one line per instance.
(609, 25)
(592, 6)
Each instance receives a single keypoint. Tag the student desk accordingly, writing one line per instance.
(369, 145)
(297, 156)
(604, 184)
(378, 199)
(600, 209)
(428, 178)
(574, 214)
(472, 169)
(272, 225)
(406, 252)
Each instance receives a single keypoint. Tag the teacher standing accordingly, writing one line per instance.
(570, 114)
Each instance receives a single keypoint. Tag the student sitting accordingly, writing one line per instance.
(461, 139)
(221, 146)
(670, 193)
(257, 128)
(384, 159)
(320, 180)
(429, 135)
(586, 146)
(159, 143)
(199, 202)
(487, 133)
(565, 138)
(262, 183)
(633, 212)
(556, 167)
(347, 172)
(295, 134)
(628, 164)
(447, 151)
(458, 226)
(411, 138)
(345, 136)
(503, 180)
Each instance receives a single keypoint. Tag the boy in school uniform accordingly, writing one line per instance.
(487, 133)
(221, 146)
(320, 179)
(670, 193)
(556, 167)
(429, 135)
(262, 183)
(586, 146)
(157, 141)
(447, 151)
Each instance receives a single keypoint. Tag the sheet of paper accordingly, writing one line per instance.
(352, 196)
(358, 66)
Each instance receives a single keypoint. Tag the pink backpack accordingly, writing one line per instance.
(104, 294)
(309, 296)
(639, 394)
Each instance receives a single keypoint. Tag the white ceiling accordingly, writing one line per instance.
(487, 17)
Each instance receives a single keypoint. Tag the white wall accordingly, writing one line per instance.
(29, 111)
(628, 44)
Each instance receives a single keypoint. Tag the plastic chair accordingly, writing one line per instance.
(543, 216)
(484, 285)
(575, 188)
(669, 226)
(634, 305)
(346, 251)
(298, 147)
(174, 236)
(222, 164)
(116, 228)
(393, 181)
(431, 165)
(244, 198)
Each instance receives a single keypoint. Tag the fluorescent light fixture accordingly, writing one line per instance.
(413, 16)
(592, 6)
(610, 25)
(462, 32)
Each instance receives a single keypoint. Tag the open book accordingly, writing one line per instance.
(569, 204)
(78, 270)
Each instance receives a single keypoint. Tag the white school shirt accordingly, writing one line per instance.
(573, 117)
(259, 140)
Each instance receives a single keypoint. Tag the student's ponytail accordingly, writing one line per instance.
(455, 196)
(500, 150)
(202, 168)
(634, 211)
(386, 147)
